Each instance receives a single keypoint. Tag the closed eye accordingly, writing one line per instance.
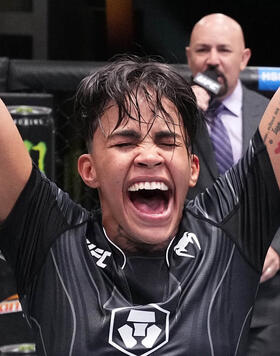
(124, 139)
(124, 145)
(169, 144)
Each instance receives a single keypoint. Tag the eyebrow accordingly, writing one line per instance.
(125, 133)
(137, 136)
(166, 134)
(201, 44)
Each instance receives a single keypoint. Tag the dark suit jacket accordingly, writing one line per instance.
(267, 308)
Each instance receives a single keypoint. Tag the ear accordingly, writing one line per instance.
(87, 170)
(187, 51)
(194, 170)
(246, 55)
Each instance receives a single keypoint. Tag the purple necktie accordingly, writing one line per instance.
(220, 138)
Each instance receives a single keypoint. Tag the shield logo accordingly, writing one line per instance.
(139, 331)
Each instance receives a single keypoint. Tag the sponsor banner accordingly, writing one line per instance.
(10, 305)
(18, 349)
(36, 126)
(268, 78)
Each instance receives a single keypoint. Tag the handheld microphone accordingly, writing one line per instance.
(208, 81)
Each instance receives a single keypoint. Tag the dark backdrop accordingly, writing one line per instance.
(160, 27)
(80, 29)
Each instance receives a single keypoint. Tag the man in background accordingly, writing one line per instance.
(217, 44)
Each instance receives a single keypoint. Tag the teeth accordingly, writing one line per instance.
(147, 186)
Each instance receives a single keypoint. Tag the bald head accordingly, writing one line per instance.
(217, 41)
(220, 21)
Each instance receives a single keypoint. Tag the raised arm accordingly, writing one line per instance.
(15, 163)
(270, 131)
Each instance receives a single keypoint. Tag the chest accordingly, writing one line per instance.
(148, 307)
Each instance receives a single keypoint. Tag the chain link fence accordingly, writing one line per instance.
(69, 145)
(57, 131)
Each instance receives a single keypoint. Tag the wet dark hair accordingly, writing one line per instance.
(121, 81)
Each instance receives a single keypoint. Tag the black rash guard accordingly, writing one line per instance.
(83, 296)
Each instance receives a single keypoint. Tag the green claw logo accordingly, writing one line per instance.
(41, 147)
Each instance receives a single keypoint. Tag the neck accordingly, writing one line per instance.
(133, 245)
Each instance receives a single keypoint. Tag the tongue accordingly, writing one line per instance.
(154, 205)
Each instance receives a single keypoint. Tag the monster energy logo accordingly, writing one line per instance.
(41, 148)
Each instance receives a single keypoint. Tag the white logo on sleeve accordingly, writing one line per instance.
(187, 239)
(98, 253)
(139, 331)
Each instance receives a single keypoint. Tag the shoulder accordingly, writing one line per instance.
(251, 95)
(50, 201)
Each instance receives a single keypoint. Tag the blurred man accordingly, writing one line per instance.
(217, 44)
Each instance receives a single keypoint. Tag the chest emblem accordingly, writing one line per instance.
(99, 254)
(139, 331)
(187, 245)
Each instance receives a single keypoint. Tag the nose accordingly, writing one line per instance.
(213, 58)
(148, 157)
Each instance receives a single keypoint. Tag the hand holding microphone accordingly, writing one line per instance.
(208, 80)
(206, 87)
(202, 97)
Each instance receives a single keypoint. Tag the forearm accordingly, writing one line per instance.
(15, 163)
(270, 131)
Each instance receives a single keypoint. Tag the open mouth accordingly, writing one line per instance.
(149, 197)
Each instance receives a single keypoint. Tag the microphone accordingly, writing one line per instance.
(208, 81)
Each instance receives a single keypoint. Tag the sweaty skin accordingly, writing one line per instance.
(142, 173)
